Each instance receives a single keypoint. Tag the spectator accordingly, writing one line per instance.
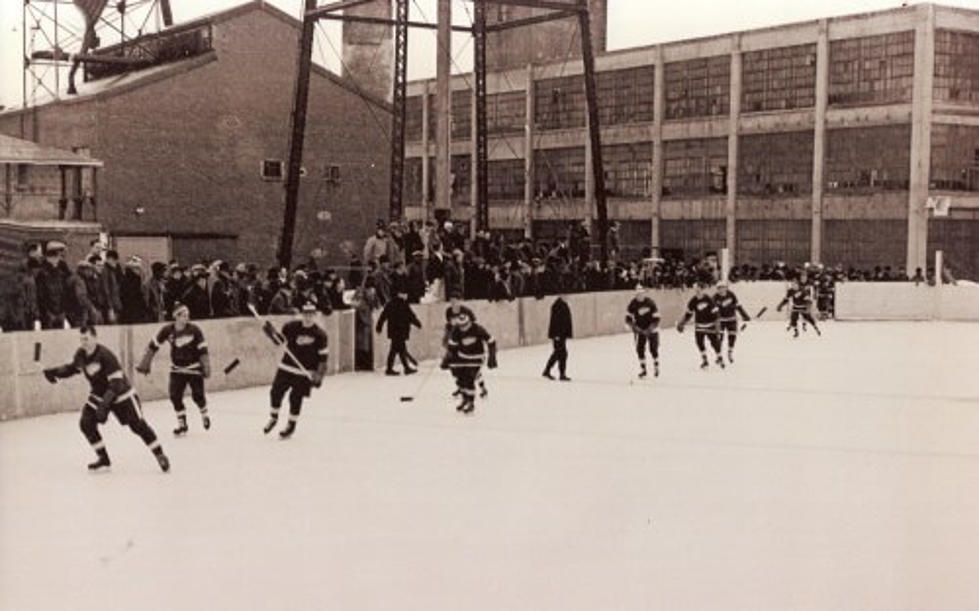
(111, 276)
(84, 311)
(155, 290)
(376, 246)
(415, 281)
(52, 287)
(195, 296)
(131, 293)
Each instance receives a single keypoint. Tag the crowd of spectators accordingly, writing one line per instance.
(423, 261)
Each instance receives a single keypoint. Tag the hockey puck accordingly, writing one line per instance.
(37, 351)
(406, 399)
(231, 366)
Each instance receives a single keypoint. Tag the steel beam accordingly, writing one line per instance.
(517, 23)
(594, 131)
(335, 6)
(482, 165)
(297, 138)
(396, 203)
(549, 4)
(382, 21)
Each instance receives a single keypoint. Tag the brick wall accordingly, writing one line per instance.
(188, 148)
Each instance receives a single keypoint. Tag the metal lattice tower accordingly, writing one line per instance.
(398, 102)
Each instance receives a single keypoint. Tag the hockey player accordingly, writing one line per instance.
(110, 392)
(451, 316)
(801, 300)
(702, 309)
(825, 293)
(399, 318)
(643, 318)
(728, 309)
(302, 367)
(190, 364)
(468, 345)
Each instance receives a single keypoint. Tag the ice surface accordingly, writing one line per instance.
(827, 473)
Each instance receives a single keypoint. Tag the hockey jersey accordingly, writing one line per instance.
(704, 312)
(309, 344)
(186, 346)
(643, 313)
(469, 345)
(102, 370)
(728, 306)
(800, 298)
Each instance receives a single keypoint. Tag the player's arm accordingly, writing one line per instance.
(204, 356)
(383, 317)
(686, 317)
(744, 315)
(52, 374)
(151, 349)
(784, 301)
(490, 349)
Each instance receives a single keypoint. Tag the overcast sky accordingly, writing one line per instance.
(631, 23)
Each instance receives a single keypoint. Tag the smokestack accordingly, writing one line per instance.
(368, 50)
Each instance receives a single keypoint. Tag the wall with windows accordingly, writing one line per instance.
(692, 238)
(779, 79)
(506, 113)
(872, 69)
(628, 170)
(958, 237)
(955, 157)
(865, 243)
(775, 165)
(627, 95)
(559, 173)
(764, 241)
(506, 179)
(867, 159)
(956, 67)
(698, 87)
(559, 103)
(694, 168)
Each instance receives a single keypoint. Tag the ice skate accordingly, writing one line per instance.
(163, 461)
(287, 432)
(271, 425)
(101, 463)
(181, 427)
(720, 361)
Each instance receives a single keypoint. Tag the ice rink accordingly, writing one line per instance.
(829, 473)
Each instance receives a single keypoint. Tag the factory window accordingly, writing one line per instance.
(559, 102)
(460, 182)
(413, 118)
(628, 169)
(779, 79)
(273, 170)
(956, 68)
(506, 179)
(462, 114)
(955, 157)
(871, 70)
(625, 96)
(506, 112)
(775, 165)
(868, 159)
(695, 167)
(412, 191)
(692, 239)
(698, 87)
(559, 173)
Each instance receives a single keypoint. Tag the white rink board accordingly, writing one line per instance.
(839, 472)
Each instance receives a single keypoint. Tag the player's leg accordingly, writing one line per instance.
(808, 317)
(130, 413)
(641, 340)
(392, 354)
(551, 360)
(197, 394)
(794, 322)
(654, 351)
(178, 383)
(279, 387)
(300, 390)
(732, 337)
(89, 425)
(715, 343)
(405, 357)
(467, 384)
(699, 337)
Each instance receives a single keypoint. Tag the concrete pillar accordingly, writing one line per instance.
(590, 212)
(730, 209)
(443, 107)
(921, 111)
(528, 162)
(819, 140)
(659, 112)
(426, 166)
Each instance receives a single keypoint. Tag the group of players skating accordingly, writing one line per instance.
(467, 348)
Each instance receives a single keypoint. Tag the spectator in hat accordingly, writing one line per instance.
(222, 294)
(132, 295)
(52, 287)
(176, 285)
(195, 296)
(415, 280)
(399, 318)
(155, 291)
(83, 311)
(455, 274)
(112, 281)
(376, 246)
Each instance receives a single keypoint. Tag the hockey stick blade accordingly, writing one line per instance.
(231, 366)
(761, 312)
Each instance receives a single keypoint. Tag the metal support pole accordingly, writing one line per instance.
(396, 209)
(297, 137)
(594, 131)
(481, 156)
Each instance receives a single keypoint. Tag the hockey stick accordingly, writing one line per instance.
(757, 316)
(298, 363)
(411, 397)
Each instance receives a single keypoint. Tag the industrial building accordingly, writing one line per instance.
(851, 140)
(194, 148)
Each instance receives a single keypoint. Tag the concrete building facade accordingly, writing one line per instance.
(824, 141)
(195, 150)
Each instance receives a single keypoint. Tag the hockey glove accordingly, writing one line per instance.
(144, 363)
(378, 327)
(491, 361)
(102, 411)
(679, 327)
(445, 361)
(50, 376)
(272, 334)
(206, 365)
(317, 379)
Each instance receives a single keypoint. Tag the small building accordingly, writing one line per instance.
(196, 147)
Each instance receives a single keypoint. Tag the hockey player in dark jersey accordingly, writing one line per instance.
(468, 345)
(302, 367)
(110, 392)
(190, 364)
(702, 309)
(643, 318)
(728, 309)
(456, 307)
(801, 300)
(825, 294)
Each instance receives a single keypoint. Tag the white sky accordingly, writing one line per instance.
(631, 23)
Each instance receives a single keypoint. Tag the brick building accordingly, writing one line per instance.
(817, 141)
(195, 148)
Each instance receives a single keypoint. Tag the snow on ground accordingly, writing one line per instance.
(839, 472)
